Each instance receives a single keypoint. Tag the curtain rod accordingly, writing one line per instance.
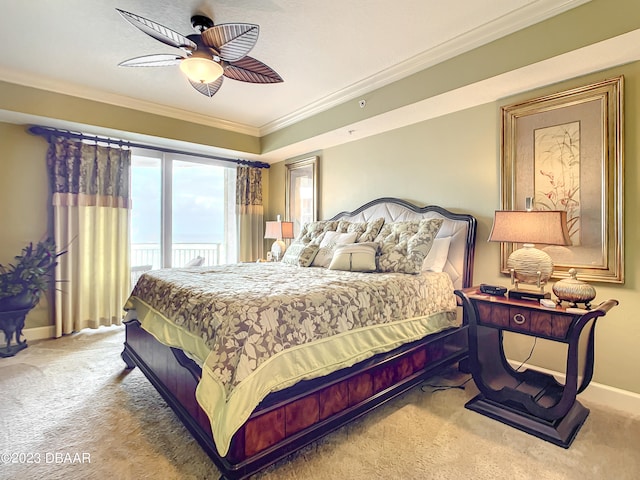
(54, 132)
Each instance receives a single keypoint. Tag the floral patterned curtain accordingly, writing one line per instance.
(90, 186)
(250, 213)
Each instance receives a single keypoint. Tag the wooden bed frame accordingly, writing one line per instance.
(290, 419)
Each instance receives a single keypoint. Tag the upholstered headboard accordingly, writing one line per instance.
(460, 227)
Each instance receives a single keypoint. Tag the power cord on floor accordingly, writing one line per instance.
(439, 388)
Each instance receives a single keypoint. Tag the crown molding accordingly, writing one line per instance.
(607, 54)
(65, 88)
(523, 17)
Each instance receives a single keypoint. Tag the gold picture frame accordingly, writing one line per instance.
(301, 192)
(565, 150)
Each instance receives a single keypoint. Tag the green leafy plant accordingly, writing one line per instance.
(31, 272)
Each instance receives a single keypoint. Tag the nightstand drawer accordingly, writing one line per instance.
(537, 322)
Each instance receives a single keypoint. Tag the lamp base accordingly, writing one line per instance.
(530, 265)
(277, 250)
(528, 295)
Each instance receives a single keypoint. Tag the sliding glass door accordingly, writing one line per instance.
(146, 213)
(198, 214)
(183, 212)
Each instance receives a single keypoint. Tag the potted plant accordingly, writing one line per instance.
(22, 283)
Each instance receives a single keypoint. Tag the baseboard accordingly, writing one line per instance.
(597, 393)
(39, 333)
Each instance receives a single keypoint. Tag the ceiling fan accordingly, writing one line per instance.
(215, 52)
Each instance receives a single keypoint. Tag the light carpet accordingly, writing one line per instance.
(70, 408)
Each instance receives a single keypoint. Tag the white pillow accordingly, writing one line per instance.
(329, 242)
(195, 262)
(437, 256)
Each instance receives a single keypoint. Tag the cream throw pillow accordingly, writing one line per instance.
(355, 257)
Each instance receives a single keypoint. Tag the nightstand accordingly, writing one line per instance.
(531, 401)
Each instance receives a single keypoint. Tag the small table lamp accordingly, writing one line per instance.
(278, 230)
(529, 265)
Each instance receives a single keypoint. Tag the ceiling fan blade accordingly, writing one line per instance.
(159, 60)
(232, 40)
(208, 89)
(157, 31)
(250, 70)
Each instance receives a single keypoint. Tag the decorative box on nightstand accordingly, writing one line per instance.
(531, 401)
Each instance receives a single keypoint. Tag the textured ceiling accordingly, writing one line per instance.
(327, 51)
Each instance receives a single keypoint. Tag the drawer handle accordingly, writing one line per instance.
(519, 319)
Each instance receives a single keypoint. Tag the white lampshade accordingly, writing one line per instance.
(201, 69)
(279, 230)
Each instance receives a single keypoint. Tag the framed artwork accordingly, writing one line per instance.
(566, 152)
(301, 192)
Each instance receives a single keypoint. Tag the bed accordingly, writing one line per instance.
(259, 360)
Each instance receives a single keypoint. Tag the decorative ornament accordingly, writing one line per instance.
(574, 290)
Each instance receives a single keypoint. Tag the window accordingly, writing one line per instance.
(182, 208)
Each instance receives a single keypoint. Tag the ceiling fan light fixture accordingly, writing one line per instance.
(215, 52)
(201, 70)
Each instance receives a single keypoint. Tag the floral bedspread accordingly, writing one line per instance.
(246, 313)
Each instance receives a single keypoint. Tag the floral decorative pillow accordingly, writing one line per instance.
(404, 245)
(312, 230)
(367, 231)
(355, 257)
(300, 254)
(329, 242)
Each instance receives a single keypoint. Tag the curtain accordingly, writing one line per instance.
(91, 201)
(250, 214)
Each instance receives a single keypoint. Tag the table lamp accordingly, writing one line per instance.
(529, 265)
(278, 230)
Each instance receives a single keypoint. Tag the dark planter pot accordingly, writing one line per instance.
(22, 301)
(13, 311)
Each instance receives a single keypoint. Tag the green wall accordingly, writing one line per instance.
(454, 161)
(24, 195)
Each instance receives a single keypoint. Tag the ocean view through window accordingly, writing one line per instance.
(182, 208)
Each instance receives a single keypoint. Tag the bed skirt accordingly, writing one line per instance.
(287, 420)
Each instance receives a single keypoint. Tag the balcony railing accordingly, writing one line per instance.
(147, 256)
